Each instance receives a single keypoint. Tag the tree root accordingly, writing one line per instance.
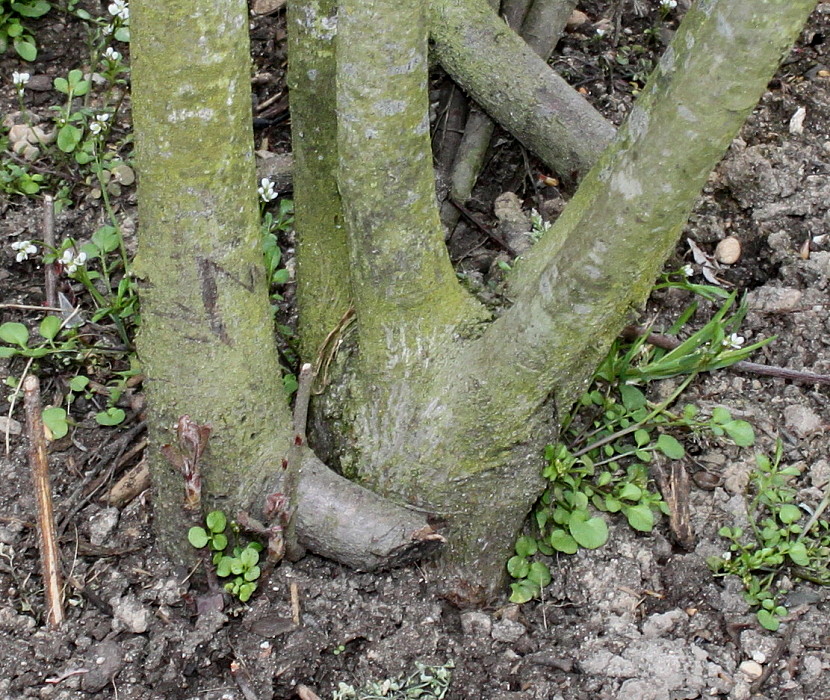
(343, 521)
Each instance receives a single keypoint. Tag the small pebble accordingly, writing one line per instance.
(751, 669)
(728, 251)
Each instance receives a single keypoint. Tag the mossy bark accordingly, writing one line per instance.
(463, 441)
(516, 87)
(408, 298)
(323, 277)
(206, 343)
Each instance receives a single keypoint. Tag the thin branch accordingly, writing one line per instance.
(50, 273)
(668, 343)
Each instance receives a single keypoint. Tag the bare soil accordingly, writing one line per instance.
(637, 619)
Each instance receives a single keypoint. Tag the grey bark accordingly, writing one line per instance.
(516, 87)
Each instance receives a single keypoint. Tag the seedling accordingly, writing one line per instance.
(271, 225)
(782, 540)
(55, 419)
(241, 567)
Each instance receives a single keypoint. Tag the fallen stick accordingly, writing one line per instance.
(39, 464)
(49, 270)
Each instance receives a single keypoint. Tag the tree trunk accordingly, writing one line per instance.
(434, 408)
(207, 344)
(206, 341)
(323, 278)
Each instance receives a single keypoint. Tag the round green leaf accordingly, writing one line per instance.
(670, 447)
(545, 548)
(630, 492)
(251, 574)
(632, 397)
(518, 567)
(31, 9)
(281, 276)
(78, 383)
(721, 415)
(539, 574)
(768, 620)
(246, 590)
(641, 437)
(197, 537)
(741, 432)
(579, 500)
(216, 521)
(798, 553)
(612, 505)
(69, 137)
(29, 187)
(25, 49)
(112, 416)
(561, 541)
(589, 533)
(14, 333)
(788, 513)
(55, 419)
(106, 238)
(640, 517)
(249, 556)
(219, 542)
(525, 546)
(523, 591)
(223, 568)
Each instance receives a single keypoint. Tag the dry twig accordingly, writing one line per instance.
(50, 273)
(47, 541)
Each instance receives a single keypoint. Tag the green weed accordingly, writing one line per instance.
(614, 433)
(13, 32)
(784, 538)
(426, 683)
(240, 567)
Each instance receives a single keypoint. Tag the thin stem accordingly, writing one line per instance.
(659, 408)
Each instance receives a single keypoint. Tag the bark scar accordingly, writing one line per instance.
(210, 298)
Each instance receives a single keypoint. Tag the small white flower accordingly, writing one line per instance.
(688, 270)
(727, 556)
(100, 122)
(668, 4)
(119, 8)
(735, 341)
(112, 55)
(20, 79)
(24, 250)
(72, 262)
(266, 190)
(601, 31)
(538, 224)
